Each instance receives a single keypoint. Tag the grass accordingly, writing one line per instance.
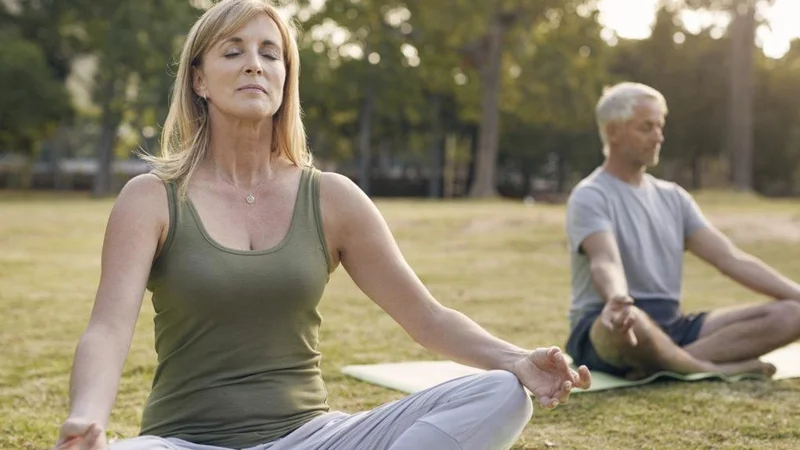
(502, 263)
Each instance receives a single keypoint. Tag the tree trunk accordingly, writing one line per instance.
(488, 135)
(436, 148)
(697, 171)
(364, 138)
(58, 147)
(103, 179)
(452, 168)
(472, 134)
(740, 114)
(562, 172)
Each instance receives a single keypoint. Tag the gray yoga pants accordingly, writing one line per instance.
(477, 412)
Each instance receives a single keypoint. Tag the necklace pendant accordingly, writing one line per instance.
(250, 199)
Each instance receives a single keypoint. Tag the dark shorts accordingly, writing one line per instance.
(682, 328)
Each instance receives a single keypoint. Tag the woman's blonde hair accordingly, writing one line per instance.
(185, 138)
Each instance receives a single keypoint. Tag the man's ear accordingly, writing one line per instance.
(613, 130)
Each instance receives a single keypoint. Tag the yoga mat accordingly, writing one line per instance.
(414, 376)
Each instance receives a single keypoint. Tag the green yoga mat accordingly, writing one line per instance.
(414, 376)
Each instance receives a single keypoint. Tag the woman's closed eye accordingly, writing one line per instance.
(269, 55)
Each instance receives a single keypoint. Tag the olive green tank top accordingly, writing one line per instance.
(237, 332)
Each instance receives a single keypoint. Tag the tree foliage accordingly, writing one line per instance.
(499, 95)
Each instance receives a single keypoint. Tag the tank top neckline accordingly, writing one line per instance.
(282, 243)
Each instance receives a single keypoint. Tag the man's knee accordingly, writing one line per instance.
(785, 315)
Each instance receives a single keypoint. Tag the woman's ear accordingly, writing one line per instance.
(199, 82)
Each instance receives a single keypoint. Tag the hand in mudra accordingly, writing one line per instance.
(548, 376)
(618, 316)
(77, 434)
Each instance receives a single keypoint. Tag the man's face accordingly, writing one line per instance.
(638, 141)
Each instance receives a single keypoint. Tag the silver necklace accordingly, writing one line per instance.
(249, 197)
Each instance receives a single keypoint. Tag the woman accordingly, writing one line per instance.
(236, 235)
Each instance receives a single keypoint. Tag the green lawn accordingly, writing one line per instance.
(502, 263)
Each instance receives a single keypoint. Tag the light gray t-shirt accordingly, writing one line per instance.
(651, 224)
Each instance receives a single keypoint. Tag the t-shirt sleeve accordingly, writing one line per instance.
(693, 218)
(587, 213)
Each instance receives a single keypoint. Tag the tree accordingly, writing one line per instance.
(740, 120)
(777, 125)
(686, 68)
(38, 49)
(365, 83)
(134, 43)
(51, 24)
(33, 99)
(483, 34)
(560, 74)
(741, 32)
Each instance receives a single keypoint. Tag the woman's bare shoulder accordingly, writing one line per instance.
(144, 197)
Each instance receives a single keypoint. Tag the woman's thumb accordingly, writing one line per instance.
(74, 428)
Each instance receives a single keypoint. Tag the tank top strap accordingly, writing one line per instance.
(309, 196)
(173, 207)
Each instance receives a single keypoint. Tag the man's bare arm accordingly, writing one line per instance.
(608, 276)
(715, 248)
(605, 265)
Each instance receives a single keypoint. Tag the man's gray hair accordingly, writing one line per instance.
(618, 102)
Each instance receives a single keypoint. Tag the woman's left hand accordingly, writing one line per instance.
(548, 376)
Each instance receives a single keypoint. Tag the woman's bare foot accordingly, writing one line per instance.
(752, 366)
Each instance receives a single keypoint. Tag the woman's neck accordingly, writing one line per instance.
(241, 152)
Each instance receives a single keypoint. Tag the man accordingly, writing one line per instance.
(627, 233)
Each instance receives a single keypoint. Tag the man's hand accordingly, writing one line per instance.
(618, 316)
(78, 434)
(547, 375)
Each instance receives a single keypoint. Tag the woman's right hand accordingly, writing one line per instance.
(79, 434)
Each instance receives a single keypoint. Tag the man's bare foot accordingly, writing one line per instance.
(752, 366)
(637, 374)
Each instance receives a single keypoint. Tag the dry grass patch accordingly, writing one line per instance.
(503, 263)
